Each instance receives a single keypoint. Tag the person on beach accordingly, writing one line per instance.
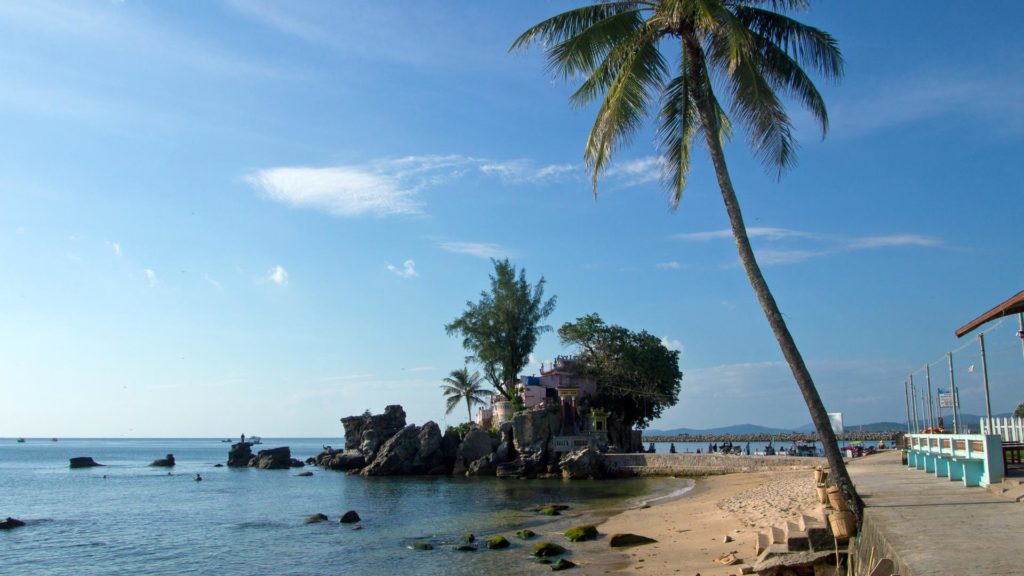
(672, 448)
(748, 448)
(198, 478)
(243, 438)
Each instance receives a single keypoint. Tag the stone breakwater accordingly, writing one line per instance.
(777, 438)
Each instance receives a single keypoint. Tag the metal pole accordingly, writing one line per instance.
(913, 395)
(984, 378)
(906, 396)
(931, 408)
(952, 388)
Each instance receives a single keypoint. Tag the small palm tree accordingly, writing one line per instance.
(748, 49)
(461, 385)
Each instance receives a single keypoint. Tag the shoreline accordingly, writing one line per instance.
(690, 529)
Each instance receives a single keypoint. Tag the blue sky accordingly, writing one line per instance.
(256, 216)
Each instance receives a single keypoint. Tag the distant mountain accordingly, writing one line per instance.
(970, 420)
(734, 429)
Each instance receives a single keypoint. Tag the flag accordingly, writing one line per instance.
(970, 369)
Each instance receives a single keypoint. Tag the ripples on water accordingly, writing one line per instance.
(140, 520)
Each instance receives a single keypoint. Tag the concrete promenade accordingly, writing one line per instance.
(932, 526)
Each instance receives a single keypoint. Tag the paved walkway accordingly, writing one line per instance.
(931, 526)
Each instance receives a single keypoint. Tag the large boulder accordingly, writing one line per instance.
(533, 429)
(583, 463)
(83, 462)
(367, 433)
(165, 462)
(486, 466)
(396, 454)
(475, 446)
(11, 523)
(274, 459)
(240, 454)
(347, 460)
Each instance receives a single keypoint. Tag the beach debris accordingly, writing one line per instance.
(745, 569)
(546, 549)
(727, 559)
(420, 545)
(726, 539)
(305, 474)
(465, 547)
(350, 517)
(562, 564)
(10, 523)
(581, 533)
(318, 517)
(627, 539)
(525, 533)
(83, 462)
(165, 462)
(497, 542)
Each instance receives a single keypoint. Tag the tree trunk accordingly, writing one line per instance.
(771, 310)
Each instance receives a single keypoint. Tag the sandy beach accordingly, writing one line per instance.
(690, 530)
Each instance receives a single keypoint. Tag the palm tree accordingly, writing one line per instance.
(461, 385)
(749, 49)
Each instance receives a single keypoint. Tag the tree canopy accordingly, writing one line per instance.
(501, 329)
(637, 376)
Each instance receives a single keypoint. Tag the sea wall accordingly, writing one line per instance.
(870, 546)
(704, 464)
(777, 438)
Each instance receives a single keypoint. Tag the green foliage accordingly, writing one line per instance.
(461, 430)
(755, 55)
(501, 330)
(461, 385)
(637, 376)
(1019, 412)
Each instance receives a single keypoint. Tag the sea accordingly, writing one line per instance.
(129, 518)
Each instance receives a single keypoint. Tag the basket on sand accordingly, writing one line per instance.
(843, 524)
(836, 500)
(822, 493)
(820, 474)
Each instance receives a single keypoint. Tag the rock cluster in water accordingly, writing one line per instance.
(385, 445)
(241, 456)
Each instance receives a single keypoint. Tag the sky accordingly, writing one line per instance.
(257, 217)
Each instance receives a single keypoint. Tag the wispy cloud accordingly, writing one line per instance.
(278, 275)
(670, 265)
(151, 277)
(212, 282)
(115, 247)
(341, 191)
(408, 270)
(478, 249)
(787, 246)
(672, 344)
(636, 171)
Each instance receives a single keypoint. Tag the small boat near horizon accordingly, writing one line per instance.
(21, 440)
(255, 440)
(53, 439)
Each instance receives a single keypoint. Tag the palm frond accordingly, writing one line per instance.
(639, 77)
(774, 5)
(570, 23)
(785, 74)
(452, 403)
(581, 53)
(811, 47)
(678, 123)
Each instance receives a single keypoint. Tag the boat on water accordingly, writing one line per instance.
(21, 440)
(255, 440)
(53, 439)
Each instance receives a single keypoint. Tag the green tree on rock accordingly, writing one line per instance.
(751, 51)
(501, 330)
(460, 386)
(637, 375)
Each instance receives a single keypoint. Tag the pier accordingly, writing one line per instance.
(932, 526)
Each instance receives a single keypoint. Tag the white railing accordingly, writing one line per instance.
(1010, 429)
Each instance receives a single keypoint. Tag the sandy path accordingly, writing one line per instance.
(690, 530)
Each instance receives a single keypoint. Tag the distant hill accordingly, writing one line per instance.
(970, 420)
(734, 429)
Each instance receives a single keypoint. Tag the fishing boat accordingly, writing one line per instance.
(255, 440)
(21, 440)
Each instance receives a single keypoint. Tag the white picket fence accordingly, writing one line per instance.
(1010, 429)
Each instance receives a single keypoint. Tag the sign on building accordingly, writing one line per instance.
(946, 399)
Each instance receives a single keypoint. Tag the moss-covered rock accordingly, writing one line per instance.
(548, 511)
(465, 547)
(546, 549)
(562, 564)
(526, 533)
(420, 545)
(496, 542)
(622, 540)
(581, 533)
(556, 507)
(467, 538)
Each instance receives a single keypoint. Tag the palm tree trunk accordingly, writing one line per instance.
(778, 325)
(469, 410)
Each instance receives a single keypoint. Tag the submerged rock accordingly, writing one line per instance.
(562, 564)
(10, 523)
(547, 549)
(622, 540)
(420, 545)
(165, 462)
(464, 548)
(83, 462)
(305, 474)
(350, 517)
(497, 542)
(316, 518)
(581, 533)
(526, 534)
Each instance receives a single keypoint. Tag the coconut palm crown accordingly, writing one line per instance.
(750, 51)
(460, 386)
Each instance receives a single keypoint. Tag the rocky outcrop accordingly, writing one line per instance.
(533, 429)
(83, 462)
(10, 523)
(367, 433)
(476, 445)
(240, 454)
(350, 517)
(165, 462)
(583, 463)
(413, 450)
(274, 459)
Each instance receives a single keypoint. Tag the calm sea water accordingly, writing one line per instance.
(127, 518)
